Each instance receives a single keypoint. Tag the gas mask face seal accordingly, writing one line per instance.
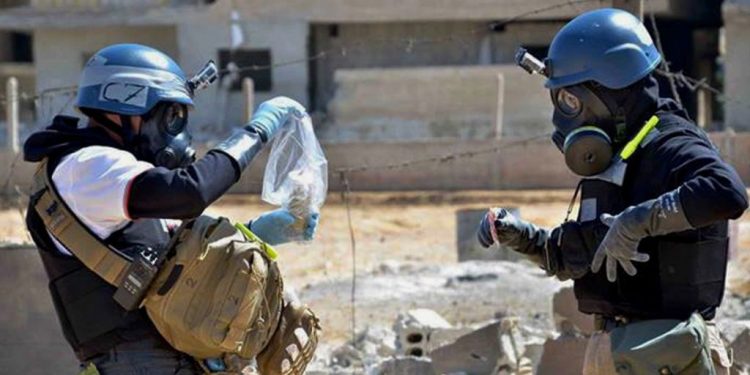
(586, 129)
(163, 139)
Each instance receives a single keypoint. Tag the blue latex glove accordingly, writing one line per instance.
(215, 364)
(272, 115)
(276, 227)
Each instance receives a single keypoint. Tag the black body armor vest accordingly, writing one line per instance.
(686, 271)
(92, 321)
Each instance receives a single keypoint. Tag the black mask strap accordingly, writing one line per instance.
(102, 119)
(127, 130)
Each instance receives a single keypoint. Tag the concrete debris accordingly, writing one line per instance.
(568, 320)
(563, 356)
(404, 365)
(737, 335)
(496, 348)
(371, 345)
(414, 329)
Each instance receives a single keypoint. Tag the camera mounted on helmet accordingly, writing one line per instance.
(204, 78)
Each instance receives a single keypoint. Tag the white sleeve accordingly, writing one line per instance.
(95, 184)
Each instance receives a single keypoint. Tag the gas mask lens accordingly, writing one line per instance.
(175, 119)
(567, 104)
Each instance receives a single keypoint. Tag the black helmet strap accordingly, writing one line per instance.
(125, 131)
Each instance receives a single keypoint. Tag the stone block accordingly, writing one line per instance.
(568, 319)
(563, 356)
(467, 223)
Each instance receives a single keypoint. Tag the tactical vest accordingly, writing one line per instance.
(92, 322)
(686, 270)
(214, 289)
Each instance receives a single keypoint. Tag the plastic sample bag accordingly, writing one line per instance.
(296, 176)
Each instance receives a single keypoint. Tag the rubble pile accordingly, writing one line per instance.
(422, 341)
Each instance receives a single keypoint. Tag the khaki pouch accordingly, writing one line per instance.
(663, 347)
(219, 293)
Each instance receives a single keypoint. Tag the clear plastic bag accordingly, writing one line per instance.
(296, 176)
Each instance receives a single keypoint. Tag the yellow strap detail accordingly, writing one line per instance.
(90, 370)
(270, 251)
(630, 148)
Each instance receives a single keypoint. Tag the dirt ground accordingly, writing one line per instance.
(405, 228)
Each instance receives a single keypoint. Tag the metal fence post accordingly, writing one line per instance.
(248, 95)
(11, 114)
(499, 104)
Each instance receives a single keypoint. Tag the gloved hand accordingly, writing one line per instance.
(272, 115)
(654, 217)
(277, 227)
(501, 226)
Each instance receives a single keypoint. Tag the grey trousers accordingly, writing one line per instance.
(143, 358)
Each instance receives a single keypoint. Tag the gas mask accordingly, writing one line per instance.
(164, 139)
(588, 126)
(588, 121)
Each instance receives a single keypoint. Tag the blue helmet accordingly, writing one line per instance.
(607, 46)
(130, 79)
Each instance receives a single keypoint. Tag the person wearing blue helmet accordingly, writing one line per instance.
(655, 198)
(129, 175)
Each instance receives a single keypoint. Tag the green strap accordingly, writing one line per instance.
(631, 146)
(270, 251)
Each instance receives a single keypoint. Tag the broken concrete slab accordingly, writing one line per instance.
(404, 365)
(568, 319)
(494, 348)
(467, 222)
(563, 356)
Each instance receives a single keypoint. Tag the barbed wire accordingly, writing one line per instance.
(443, 158)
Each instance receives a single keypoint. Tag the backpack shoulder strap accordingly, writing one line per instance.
(106, 261)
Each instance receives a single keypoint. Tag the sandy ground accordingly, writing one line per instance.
(416, 229)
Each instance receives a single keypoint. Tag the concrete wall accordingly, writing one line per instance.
(31, 340)
(737, 54)
(471, 102)
(416, 44)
